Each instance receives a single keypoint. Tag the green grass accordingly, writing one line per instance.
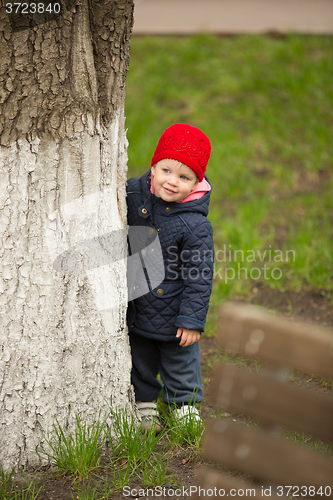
(13, 489)
(79, 453)
(5, 483)
(186, 432)
(155, 472)
(132, 452)
(86, 492)
(301, 439)
(266, 104)
(127, 442)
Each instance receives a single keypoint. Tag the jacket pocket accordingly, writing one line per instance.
(168, 290)
(157, 311)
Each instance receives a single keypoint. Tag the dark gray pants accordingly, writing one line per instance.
(179, 368)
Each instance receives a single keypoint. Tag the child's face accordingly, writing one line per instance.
(173, 180)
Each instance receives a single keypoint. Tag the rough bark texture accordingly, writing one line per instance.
(63, 338)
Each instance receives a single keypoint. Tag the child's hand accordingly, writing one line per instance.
(189, 337)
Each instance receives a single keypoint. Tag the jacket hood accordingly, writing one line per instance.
(200, 205)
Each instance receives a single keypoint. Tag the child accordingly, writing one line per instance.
(165, 324)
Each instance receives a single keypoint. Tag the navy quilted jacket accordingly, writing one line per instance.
(186, 238)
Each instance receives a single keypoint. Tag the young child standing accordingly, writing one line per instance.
(165, 324)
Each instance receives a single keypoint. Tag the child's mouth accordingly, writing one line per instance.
(169, 191)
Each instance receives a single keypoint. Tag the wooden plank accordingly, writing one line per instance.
(266, 457)
(222, 485)
(273, 401)
(250, 330)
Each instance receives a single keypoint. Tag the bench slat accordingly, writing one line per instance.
(273, 401)
(266, 457)
(249, 330)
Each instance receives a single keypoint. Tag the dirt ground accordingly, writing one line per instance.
(312, 307)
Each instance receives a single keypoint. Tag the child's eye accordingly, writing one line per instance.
(184, 177)
(166, 170)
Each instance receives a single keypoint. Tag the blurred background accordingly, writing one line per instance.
(182, 17)
(256, 76)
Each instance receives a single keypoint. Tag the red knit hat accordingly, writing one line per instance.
(186, 144)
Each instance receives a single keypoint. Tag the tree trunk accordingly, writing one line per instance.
(63, 296)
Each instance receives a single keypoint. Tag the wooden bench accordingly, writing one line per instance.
(278, 466)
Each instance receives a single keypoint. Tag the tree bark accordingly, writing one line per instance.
(63, 296)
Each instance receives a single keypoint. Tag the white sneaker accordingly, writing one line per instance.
(187, 413)
(149, 416)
